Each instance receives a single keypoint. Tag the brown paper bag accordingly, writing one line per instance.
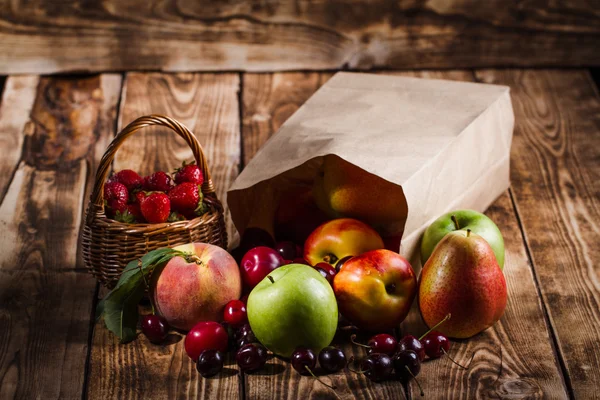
(445, 144)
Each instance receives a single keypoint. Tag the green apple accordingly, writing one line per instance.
(463, 220)
(293, 306)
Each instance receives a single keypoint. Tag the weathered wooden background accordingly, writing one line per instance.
(47, 36)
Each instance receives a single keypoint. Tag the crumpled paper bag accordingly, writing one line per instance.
(445, 143)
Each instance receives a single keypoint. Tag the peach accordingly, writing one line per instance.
(195, 288)
(339, 238)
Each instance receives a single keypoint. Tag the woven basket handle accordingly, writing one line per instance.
(149, 120)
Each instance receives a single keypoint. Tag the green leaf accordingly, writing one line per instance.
(119, 306)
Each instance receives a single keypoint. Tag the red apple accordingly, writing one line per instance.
(375, 290)
(195, 288)
(258, 263)
(340, 238)
(205, 335)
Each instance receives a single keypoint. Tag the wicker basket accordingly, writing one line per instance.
(108, 245)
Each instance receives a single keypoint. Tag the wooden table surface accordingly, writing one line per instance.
(53, 131)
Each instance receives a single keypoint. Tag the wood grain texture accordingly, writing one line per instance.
(268, 100)
(208, 105)
(556, 184)
(45, 300)
(44, 36)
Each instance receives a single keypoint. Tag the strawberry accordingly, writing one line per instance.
(189, 173)
(115, 191)
(129, 178)
(114, 207)
(158, 181)
(184, 197)
(135, 210)
(139, 197)
(156, 208)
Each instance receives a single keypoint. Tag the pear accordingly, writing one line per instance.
(462, 278)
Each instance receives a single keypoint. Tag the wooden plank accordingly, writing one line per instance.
(556, 184)
(17, 99)
(43, 37)
(208, 105)
(268, 100)
(45, 304)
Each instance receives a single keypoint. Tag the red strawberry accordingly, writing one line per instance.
(158, 181)
(184, 197)
(114, 207)
(156, 208)
(135, 210)
(140, 196)
(129, 178)
(115, 191)
(189, 173)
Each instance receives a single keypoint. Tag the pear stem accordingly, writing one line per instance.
(446, 318)
(468, 232)
(352, 339)
(271, 278)
(317, 378)
(416, 380)
(453, 218)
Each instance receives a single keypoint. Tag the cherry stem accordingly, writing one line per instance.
(317, 378)
(463, 367)
(356, 343)
(416, 380)
(446, 318)
(453, 218)
(271, 278)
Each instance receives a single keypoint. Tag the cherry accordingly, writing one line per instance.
(378, 367)
(435, 344)
(235, 313)
(409, 342)
(341, 262)
(251, 357)
(383, 343)
(407, 366)
(210, 362)
(303, 360)
(155, 328)
(332, 359)
(287, 250)
(258, 263)
(245, 332)
(327, 271)
(205, 335)
(380, 343)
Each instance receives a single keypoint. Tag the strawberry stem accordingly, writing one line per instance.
(446, 318)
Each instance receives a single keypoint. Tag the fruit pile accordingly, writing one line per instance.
(289, 299)
(156, 198)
